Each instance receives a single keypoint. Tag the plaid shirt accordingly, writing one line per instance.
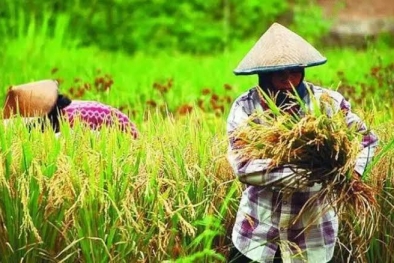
(265, 213)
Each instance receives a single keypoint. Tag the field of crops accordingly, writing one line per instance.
(169, 196)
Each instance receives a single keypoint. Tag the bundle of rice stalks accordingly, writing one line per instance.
(320, 146)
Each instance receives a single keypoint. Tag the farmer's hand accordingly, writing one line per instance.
(356, 175)
(356, 184)
(300, 179)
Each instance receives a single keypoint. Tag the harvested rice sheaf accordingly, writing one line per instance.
(319, 143)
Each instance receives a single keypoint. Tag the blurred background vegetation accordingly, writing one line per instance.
(139, 54)
(194, 26)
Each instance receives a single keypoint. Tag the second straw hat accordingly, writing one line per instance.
(32, 99)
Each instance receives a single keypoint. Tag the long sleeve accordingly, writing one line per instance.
(253, 172)
(369, 141)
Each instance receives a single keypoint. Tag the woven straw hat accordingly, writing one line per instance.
(279, 48)
(32, 99)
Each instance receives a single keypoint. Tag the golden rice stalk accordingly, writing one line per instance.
(321, 144)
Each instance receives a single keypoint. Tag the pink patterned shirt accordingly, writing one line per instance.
(96, 114)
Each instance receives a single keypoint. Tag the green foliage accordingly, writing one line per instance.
(131, 25)
(168, 82)
(309, 21)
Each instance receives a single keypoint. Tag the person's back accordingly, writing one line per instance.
(96, 115)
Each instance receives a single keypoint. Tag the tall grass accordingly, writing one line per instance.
(379, 173)
(168, 196)
(89, 197)
(382, 172)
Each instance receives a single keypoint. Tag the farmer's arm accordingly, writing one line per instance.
(369, 141)
(253, 171)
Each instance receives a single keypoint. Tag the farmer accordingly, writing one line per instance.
(279, 59)
(42, 100)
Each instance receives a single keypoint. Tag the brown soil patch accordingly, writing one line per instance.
(358, 9)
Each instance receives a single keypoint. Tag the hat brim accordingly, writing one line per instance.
(264, 69)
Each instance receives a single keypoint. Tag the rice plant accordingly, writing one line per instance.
(104, 197)
(381, 174)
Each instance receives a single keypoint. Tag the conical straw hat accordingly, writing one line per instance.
(32, 99)
(279, 48)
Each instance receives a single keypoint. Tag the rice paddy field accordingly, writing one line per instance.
(169, 196)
